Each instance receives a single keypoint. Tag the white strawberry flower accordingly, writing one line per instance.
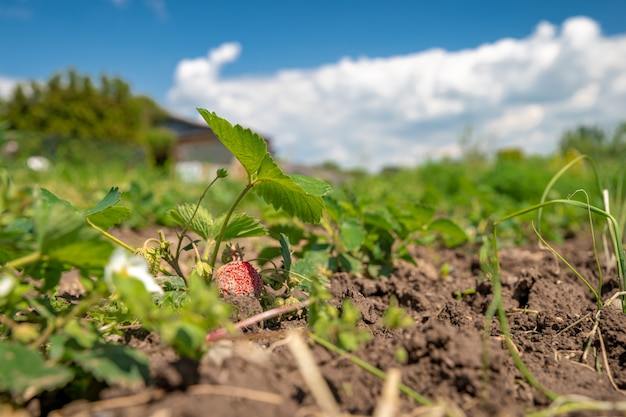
(127, 265)
(7, 282)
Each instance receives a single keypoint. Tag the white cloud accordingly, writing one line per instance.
(6, 86)
(375, 112)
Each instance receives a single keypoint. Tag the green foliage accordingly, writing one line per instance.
(68, 105)
(26, 374)
(395, 317)
(298, 195)
(160, 142)
(336, 325)
(367, 237)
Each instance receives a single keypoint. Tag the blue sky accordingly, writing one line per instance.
(351, 81)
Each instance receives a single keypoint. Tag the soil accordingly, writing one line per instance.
(446, 355)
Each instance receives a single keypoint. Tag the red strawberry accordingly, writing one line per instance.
(238, 278)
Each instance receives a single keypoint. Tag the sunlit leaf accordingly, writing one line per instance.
(241, 225)
(248, 147)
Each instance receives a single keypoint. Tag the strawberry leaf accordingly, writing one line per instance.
(202, 223)
(281, 191)
(241, 225)
(248, 147)
(298, 195)
(105, 214)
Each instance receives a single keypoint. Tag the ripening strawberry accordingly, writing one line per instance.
(238, 277)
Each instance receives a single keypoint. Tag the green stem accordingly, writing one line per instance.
(24, 260)
(112, 238)
(220, 237)
(369, 368)
(180, 241)
(497, 308)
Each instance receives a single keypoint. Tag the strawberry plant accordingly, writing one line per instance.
(55, 344)
(366, 237)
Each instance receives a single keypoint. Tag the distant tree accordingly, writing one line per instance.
(588, 140)
(619, 139)
(70, 105)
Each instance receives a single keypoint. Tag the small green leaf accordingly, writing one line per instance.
(137, 299)
(25, 373)
(112, 198)
(109, 217)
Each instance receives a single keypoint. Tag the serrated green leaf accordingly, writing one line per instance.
(281, 191)
(298, 195)
(202, 222)
(24, 371)
(117, 365)
(241, 225)
(311, 185)
(112, 198)
(109, 217)
(451, 233)
(248, 147)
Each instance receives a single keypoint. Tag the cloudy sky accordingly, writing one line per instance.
(354, 82)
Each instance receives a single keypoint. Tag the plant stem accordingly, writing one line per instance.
(369, 368)
(275, 312)
(112, 238)
(220, 237)
(16, 263)
(180, 240)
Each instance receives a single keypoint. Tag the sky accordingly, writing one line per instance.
(365, 84)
